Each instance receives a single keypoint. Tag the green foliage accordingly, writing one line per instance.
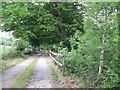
(9, 54)
(6, 41)
(84, 58)
(84, 31)
(20, 46)
(17, 49)
(40, 23)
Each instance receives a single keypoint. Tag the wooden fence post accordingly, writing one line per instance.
(58, 60)
(57, 55)
(64, 58)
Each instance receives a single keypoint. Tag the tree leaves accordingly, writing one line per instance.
(31, 21)
(87, 47)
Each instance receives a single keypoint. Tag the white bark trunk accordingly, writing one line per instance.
(103, 41)
(101, 62)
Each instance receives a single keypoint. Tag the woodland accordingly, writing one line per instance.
(87, 32)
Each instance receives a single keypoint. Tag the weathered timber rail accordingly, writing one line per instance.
(62, 65)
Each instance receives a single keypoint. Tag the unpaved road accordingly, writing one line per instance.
(11, 74)
(41, 77)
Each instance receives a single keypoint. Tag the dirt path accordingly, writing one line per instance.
(41, 77)
(11, 74)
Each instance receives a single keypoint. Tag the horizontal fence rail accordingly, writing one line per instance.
(56, 61)
(62, 65)
(57, 54)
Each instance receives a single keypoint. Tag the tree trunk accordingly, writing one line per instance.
(103, 41)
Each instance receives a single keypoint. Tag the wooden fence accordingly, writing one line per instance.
(62, 65)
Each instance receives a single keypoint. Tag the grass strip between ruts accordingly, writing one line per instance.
(24, 77)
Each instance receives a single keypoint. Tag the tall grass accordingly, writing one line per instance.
(8, 58)
(7, 52)
(3, 51)
(54, 74)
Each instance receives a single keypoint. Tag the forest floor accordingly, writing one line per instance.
(41, 77)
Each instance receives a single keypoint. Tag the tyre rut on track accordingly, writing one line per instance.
(41, 77)
(9, 76)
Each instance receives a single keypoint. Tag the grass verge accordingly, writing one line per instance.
(54, 74)
(24, 77)
(5, 64)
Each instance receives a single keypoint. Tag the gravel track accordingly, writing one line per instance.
(41, 77)
(8, 76)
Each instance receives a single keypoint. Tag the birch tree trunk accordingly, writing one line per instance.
(103, 41)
